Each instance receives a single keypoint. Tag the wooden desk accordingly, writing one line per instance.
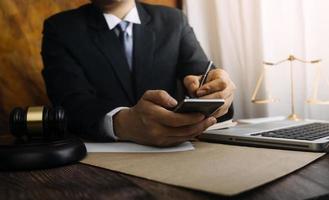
(81, 181)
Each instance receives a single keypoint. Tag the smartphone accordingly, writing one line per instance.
(204, 106)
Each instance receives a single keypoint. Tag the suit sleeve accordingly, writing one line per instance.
(67, 86)
(192, 59)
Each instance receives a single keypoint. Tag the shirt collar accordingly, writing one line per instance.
(132, 17)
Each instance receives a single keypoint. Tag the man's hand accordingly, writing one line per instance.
(150, 122)
(217, 86)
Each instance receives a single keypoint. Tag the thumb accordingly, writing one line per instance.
(160, 97)
(191, 84)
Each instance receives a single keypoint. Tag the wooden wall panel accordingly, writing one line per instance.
(172, 3)
(21, 24)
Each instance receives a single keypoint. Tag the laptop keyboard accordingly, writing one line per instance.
(309, 132)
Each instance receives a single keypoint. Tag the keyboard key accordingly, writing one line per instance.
(308, 132)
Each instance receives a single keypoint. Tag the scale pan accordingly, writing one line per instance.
(317, 101)
(264, 101)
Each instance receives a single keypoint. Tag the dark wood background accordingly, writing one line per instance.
(21, 24)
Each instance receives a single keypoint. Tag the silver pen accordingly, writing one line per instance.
(205, 75)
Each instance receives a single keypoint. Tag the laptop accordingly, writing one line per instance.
(303, 135)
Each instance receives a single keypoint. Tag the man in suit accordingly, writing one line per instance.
(113, 65)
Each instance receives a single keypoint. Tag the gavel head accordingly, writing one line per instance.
(38, 122)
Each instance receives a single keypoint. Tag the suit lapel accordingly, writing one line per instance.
(108, 43)
(144, 44)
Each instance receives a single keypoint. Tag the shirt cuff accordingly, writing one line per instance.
(108, 122)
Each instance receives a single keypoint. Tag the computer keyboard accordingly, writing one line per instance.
(310, 132)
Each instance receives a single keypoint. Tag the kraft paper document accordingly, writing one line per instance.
(216, 168)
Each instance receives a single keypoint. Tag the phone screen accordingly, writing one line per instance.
(204, 106)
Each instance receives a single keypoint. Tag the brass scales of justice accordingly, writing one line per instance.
(314, 98)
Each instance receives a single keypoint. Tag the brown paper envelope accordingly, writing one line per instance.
(216, 168)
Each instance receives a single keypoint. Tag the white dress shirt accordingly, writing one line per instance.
(112, 21)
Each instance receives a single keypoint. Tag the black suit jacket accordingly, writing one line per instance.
(86, 72)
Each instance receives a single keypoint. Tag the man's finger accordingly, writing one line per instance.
(192, 130)
(157, 112)
(172, 119)
(160, 97)
(191, 84)
(168, 136)
(211, 87)
(218, 95)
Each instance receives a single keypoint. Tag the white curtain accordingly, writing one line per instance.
(238, 35)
